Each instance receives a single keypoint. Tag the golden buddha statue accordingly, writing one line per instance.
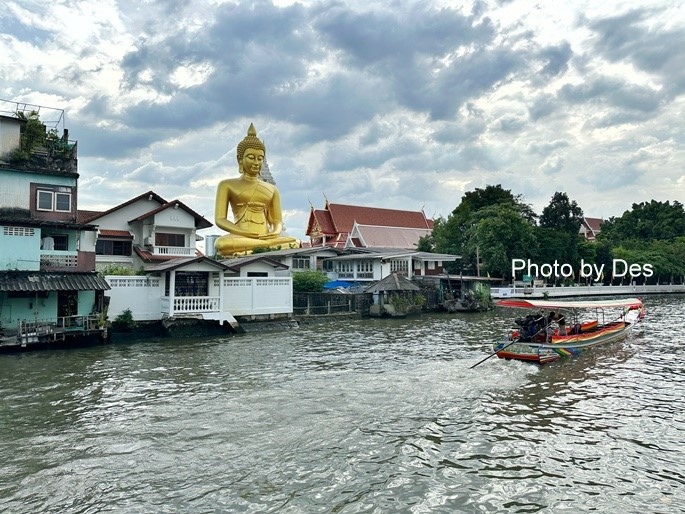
(256, 205)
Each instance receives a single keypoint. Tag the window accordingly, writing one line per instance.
(345, 269)
(44, 200)
(397, 266)
(54, 201)
(166, 239)
(61, 242)
(301, 263)
(62, 202)
(365, 269)
(18, 231)
(105, 247)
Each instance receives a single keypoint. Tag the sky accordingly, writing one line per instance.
(394, 104)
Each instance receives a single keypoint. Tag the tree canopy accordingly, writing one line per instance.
(492, 226)
(562, 214)
(646, 221)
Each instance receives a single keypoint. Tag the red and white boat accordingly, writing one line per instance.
(540, 337)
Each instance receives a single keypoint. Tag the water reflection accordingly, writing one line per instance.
(349, 416)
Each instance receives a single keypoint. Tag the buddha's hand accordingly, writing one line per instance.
(244, 233)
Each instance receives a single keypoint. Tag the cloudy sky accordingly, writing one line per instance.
(395, 104)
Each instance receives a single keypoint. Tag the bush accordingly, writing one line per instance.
(124, 320)
(309, 281)
(117, 269)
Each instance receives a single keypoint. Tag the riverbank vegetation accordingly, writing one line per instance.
(492, 226)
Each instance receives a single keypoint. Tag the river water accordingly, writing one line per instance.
(348, 416)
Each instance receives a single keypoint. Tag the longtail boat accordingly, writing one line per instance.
(567, 329)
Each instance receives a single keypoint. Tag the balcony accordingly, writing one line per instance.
(56, 260)
(174, 251)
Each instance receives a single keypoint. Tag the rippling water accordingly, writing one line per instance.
(344, 417)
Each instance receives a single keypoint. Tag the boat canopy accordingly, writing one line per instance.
(635, 303)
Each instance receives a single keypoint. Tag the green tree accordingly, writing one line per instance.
(561, 218)
(553, 245)
(499, 234)
(426, 244)
(453, 235)
(562, 214)
(309, 281)
(646, 221)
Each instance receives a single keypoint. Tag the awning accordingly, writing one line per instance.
(115, 234)
(34, 281)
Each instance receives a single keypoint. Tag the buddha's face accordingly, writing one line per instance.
(251, 164)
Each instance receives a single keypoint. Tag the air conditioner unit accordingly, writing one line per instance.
(149, 242)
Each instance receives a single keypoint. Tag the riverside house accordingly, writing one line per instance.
(145, 230)
(49, 290)
(156, 239)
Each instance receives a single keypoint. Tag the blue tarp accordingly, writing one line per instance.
(335, 284)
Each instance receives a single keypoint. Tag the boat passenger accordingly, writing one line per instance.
(561, 322)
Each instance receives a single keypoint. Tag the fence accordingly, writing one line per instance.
(595, 290)
(311, 304)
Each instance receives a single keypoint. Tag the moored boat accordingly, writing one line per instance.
(543, 338)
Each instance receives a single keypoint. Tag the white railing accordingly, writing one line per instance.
(196, 304)
(177, 251)
(132, 281)
(58, 259)
(598, 290)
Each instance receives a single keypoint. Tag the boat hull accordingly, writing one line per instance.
(561, 346)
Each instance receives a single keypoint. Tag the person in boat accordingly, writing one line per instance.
(255, 204)
(561, 326)
(549, 329)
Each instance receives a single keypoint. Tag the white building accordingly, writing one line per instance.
(145, 230)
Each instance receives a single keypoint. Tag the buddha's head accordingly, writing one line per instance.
(255, 150)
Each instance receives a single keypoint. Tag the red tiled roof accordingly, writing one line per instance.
(590, 228)
(336, 221)
(149, 256)
(85, 216)
(594, 224)
(125, 234)
(320, 219)
(344, 216)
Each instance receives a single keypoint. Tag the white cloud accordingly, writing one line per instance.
(400, 106)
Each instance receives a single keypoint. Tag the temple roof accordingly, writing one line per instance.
(336, 221)
(387, 237)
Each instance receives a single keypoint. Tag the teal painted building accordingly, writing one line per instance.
(49, 290)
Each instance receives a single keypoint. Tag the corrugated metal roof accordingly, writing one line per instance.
(35, 281)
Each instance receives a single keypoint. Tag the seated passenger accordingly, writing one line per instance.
(562, 326)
